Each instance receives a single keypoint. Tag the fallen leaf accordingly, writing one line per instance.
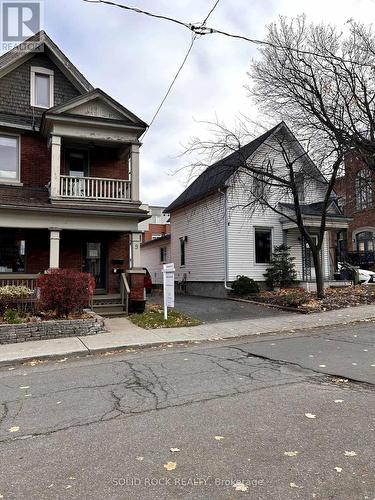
(25, 387)
(338, 469)
(14, 429)
(71, 477)
(240, 486)
(139, 459)
(219, 438)
(170, 466)
(50, 486)
(354, 364)
(350, 454)
(294, 485)
(10, 369)
(62, 360)
(291, 453)
(58, 403)
(175, 450)
(310, 415)
(322, 366)
(339, 401)
(67, 487)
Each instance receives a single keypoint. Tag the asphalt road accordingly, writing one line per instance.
(244, 426)
(218, 310)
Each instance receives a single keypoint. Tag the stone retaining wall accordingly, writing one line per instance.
(43, 330)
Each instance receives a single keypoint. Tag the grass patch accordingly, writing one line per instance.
(153, 317)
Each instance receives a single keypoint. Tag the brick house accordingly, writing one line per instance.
(69, 173)
(356, 191)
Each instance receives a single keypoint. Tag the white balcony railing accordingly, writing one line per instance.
(95, 188)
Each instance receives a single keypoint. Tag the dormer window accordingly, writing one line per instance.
(42, 88)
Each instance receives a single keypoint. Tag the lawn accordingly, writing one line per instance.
(153, 317)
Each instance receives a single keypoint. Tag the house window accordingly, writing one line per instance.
(263, 245)
(365, 241)
(42, 88)
(12, 253)
(363, 190)
(163, 254)
(9, 158)
(182, 251)
(300, 185)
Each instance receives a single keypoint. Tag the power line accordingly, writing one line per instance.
(171, 84)
(194, 37)
(201, 29)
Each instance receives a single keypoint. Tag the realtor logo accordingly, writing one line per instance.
(19, 21)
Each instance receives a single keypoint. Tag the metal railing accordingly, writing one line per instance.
(124, 292)
(95, 188)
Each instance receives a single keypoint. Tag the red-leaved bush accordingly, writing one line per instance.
(65, 291)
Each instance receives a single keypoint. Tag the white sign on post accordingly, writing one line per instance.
(168, 287)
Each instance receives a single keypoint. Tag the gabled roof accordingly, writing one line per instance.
(41, 42)
(316, 209)
(74, 105)
(215, 176)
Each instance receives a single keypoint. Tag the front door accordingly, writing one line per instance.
(95, 263)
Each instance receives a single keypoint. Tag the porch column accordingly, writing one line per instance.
(54, 248)
(55, 165)
(134, 162)
(136, 250)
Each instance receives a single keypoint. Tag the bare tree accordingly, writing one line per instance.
(321, 81)
(283, 179)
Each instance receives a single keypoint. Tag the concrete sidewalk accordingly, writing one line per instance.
(122, 333)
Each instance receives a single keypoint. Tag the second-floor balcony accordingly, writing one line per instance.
(95, 188)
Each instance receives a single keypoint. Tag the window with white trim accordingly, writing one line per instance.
(42, 88)
(163, 254)
(9, 158)
(263, 245)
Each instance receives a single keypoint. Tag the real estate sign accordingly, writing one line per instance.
(168, 287)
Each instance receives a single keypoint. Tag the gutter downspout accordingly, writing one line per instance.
(224, 193)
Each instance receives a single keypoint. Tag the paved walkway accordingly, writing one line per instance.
(122, 333)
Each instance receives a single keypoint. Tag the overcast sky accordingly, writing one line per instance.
(134, 58)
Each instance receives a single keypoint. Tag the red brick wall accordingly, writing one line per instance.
(161, 229)
(37, 251)
(71, 252)
(103, 162)
(118, 249)
(35, 161)
(346, 188)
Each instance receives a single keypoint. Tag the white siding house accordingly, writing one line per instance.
(154, 254)
(216, 235)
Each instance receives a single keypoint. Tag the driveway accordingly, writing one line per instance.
(217, 310)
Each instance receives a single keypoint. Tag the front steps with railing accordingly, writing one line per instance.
(108, 305)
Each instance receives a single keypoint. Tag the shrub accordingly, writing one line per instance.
(65, 291)
(12, 317)
(14, 297)
(244, 286)
(281, 271)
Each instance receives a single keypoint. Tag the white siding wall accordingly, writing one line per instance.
(203, 224)
(243, 221)
(150, 258)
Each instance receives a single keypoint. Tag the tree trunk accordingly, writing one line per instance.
(319, 278)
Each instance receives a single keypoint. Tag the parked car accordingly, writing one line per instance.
(148, 281)
(364, 276)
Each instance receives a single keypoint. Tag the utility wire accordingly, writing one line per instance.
(171, 85)
(194, 37)
(201, 29)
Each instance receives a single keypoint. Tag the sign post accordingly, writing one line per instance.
(168, 287)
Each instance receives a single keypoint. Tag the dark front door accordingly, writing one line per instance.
(95, 263)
